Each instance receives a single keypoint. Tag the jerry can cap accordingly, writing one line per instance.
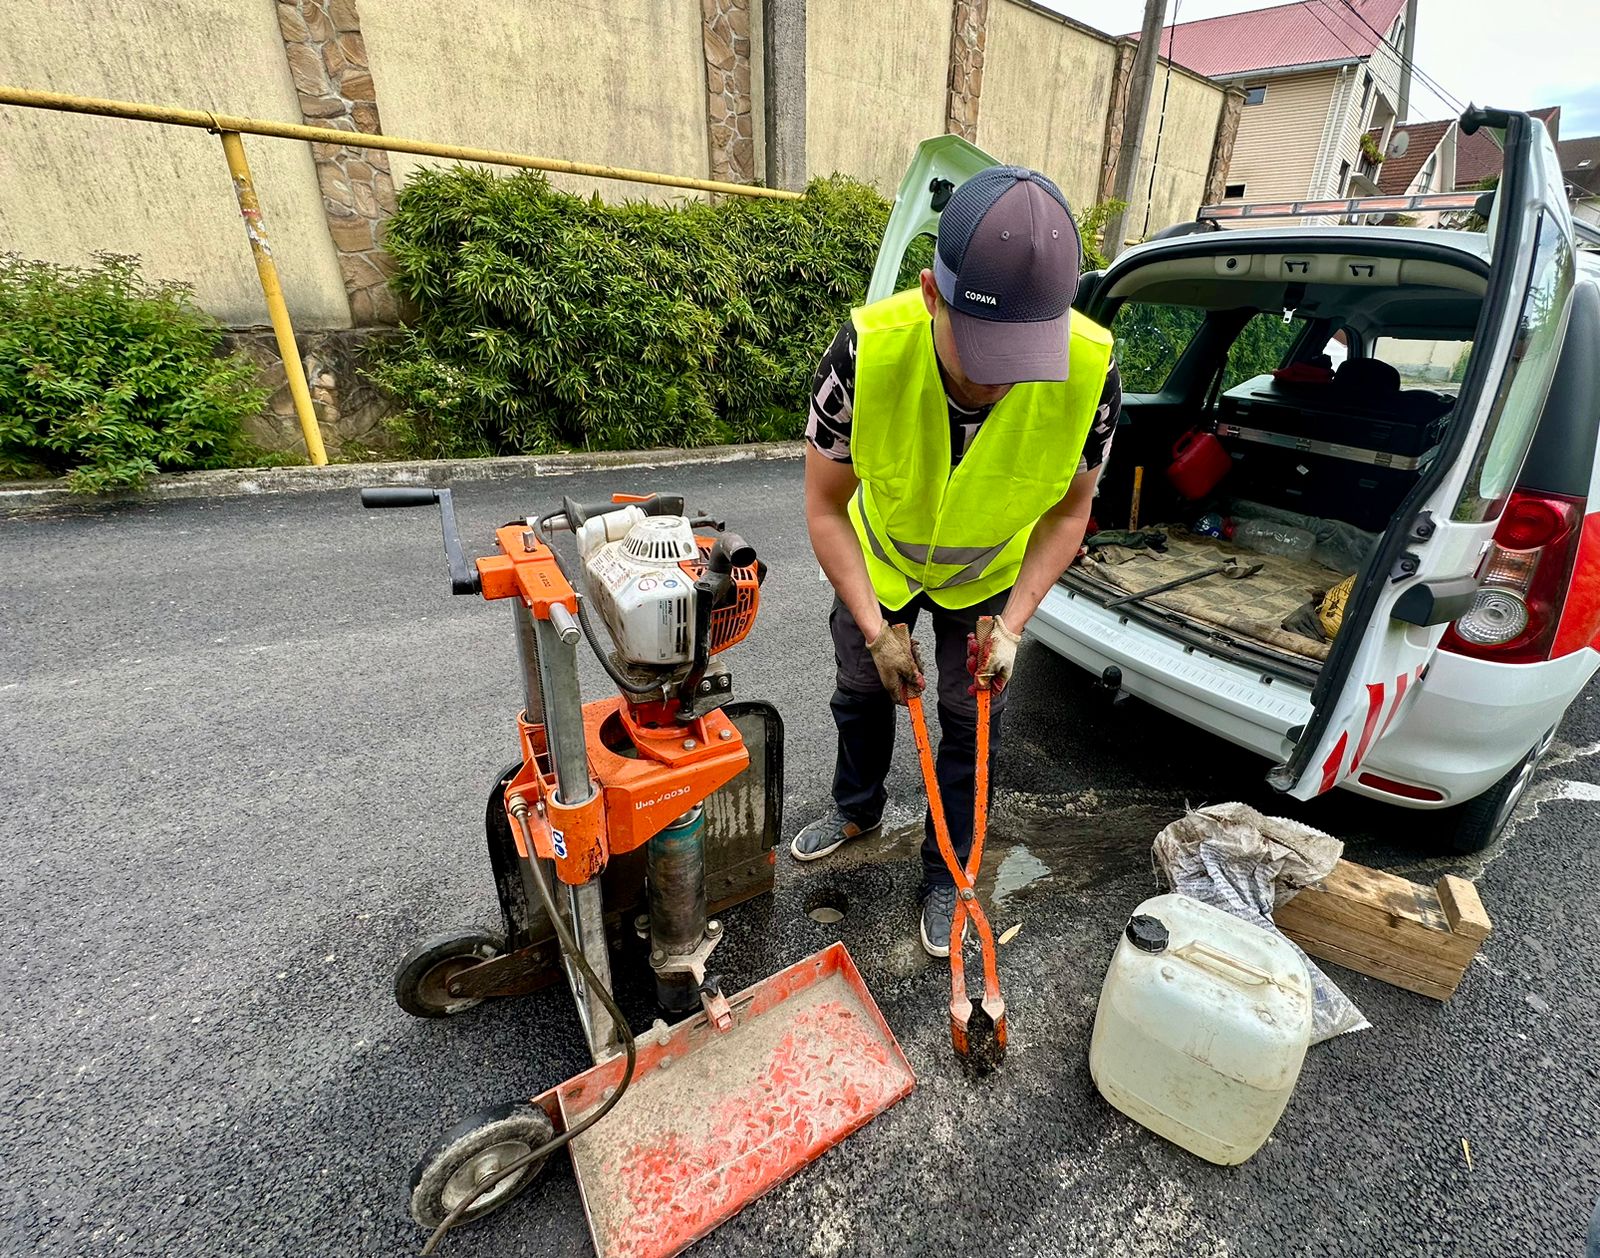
(1146, 933)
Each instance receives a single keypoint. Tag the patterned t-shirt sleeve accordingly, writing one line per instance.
(1097, 445)
(833, 397)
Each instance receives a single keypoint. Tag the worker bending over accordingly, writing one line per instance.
(956, 433)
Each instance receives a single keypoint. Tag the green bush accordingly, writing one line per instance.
(548, 321)
(107, 379)
(1151, 337)
(1092, 230)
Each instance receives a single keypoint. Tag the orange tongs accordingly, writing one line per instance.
(977, 1032)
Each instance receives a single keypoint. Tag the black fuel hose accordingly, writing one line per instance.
(574, 953)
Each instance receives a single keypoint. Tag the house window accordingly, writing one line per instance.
(1233, 192)
(1255, 95)
(1344, 178)
(1366, 94)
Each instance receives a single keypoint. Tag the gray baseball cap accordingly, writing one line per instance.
(1007, 267)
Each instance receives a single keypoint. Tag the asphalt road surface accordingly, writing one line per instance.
(246, 744)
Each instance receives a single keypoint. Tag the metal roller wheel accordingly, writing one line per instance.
(421, 982)
(469, 1153)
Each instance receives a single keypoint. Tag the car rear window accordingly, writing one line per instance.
(1522, 388)
(1425, 363)
(1150, 340)
(1260, 347)
(1152, 337)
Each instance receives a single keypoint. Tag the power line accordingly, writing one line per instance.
(1408, 63)
(1445, 97)
(1340, 39)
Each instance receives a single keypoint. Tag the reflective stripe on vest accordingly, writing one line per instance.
(858, 514)
(958, 534)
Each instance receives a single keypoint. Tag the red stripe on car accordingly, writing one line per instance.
(1374, 707)
(1331, 766)
(1399, 694)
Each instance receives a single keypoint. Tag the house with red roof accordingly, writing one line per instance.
(1421, 157)
(1417, 157)
(1580, 167)
(1318, 78)
(1478, 157)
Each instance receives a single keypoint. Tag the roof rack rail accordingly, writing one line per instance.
(1422, 202)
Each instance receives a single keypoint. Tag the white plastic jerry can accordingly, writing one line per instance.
(1202, 1027)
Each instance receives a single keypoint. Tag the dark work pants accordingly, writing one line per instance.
(865, 716)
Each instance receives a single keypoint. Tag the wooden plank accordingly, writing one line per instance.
(1385, 894)
(1421, 966)
(1394, 977)
(1388, 927)
(1313, 906)
(1467, 916)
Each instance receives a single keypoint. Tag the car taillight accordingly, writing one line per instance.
(1523, 587)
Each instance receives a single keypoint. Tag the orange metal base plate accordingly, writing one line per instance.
(714, 1119)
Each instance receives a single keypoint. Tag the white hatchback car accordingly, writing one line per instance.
(1446, 466)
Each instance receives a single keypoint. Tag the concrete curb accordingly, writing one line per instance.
(243, 481)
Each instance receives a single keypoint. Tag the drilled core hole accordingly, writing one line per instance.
(827, 906)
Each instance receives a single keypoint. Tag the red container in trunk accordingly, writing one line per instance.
(1199, 462)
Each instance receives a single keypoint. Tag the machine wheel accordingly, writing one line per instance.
(1479, 822)
(421, 981)
(469, 1153)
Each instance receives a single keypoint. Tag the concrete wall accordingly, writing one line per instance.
(615, 82)
(1045, 87)
(1193, 107)
(875, 84)
(71, 184)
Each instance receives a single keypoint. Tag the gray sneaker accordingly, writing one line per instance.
(938, 913)
(828, 834)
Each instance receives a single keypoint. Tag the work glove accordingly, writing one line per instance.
(899, 662)
(991, 654)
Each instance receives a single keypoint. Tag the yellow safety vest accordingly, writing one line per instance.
(959, 534)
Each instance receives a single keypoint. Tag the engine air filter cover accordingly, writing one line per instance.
(661, 539)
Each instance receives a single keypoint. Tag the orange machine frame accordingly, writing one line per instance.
(649, 767)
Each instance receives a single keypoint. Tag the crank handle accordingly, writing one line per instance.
(464, 577)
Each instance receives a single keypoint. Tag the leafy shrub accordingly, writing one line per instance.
(1260, 347)
(107, 379)
(1092, 230)
(546, 321)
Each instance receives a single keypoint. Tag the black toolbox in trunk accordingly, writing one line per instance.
(1309, 449)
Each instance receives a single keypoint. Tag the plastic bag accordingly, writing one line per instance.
(1232, 857)
(1337, 545)
(1274, 539)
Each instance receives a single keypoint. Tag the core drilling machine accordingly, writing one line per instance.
(643, 812)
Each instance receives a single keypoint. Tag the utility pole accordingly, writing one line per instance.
(783, 64)
(1139, 84)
